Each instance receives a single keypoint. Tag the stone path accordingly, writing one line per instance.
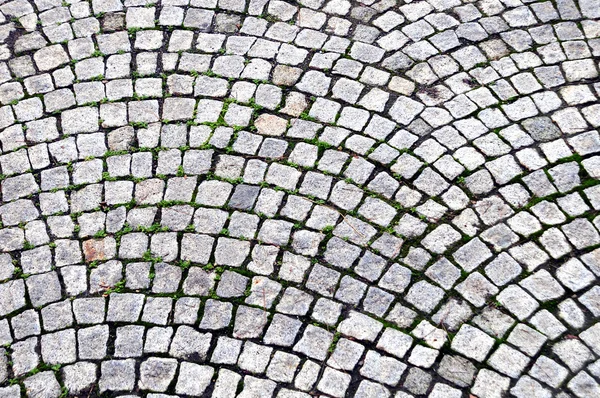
(332, 198)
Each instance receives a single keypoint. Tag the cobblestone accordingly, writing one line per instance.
(274, 198)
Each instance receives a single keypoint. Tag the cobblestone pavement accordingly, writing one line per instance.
(333, 198)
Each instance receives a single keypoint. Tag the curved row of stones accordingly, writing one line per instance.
(254, 198)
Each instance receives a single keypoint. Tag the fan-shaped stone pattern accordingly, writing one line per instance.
(264, 198)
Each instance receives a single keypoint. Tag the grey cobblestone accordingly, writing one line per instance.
(362, 199)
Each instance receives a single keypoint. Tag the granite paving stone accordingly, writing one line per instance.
(277, 198)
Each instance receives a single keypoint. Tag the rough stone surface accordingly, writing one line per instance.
(277, 198)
